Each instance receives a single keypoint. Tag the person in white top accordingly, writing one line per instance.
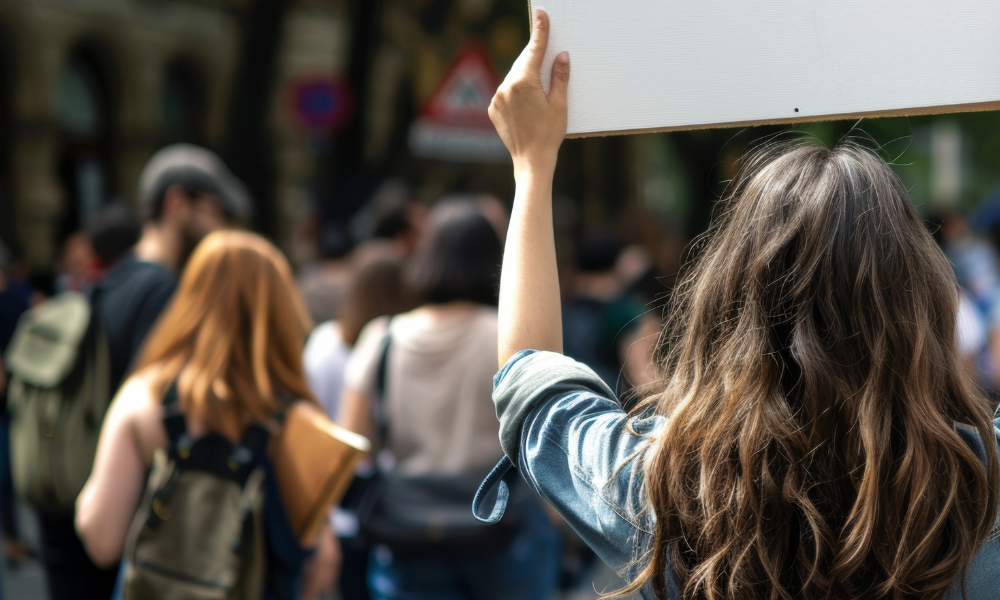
(376, 289)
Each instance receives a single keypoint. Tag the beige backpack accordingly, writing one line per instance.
(198, 533)
(59, 392)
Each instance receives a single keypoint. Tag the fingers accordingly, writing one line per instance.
(560, 80)
(539, 42)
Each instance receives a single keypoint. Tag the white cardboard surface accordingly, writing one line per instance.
(683, 64)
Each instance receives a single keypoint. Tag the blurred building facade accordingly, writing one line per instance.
(312, 102)
(317, 103)
(89, 89)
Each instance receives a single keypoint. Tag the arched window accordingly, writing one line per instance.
(183, 108)
(7, 76)
(85, 113)
(80, 98)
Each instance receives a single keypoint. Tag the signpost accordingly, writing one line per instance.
(660, 65)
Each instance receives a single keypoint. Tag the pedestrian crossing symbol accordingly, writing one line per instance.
(454, 123)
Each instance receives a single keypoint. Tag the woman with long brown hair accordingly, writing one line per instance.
(813, 434)
(229, 349)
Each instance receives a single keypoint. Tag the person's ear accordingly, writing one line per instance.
(176, 204)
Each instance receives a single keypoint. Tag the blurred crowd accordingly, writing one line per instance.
(402, 349)
(971, 244)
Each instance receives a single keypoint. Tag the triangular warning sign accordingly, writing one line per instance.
(463, 96)
(454, 124)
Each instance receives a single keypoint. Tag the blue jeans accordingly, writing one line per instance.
(527, 569)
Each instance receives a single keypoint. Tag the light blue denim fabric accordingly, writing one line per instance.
(570, 438)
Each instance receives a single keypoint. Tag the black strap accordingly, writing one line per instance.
(173, 418)
(381, 405)
(212, 453)
(255, 439)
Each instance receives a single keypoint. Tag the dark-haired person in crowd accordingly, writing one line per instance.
(76, 266)
(395, 216)
(813, 434)
(186, 192)
(13, 304)
(132, 292)
(440, 419)
(129, 298)
(324, 285)
(601, 317)
(377, 289)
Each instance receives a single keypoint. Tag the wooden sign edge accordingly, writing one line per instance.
(902, 112)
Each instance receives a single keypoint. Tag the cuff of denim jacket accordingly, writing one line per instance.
(533, 377)
(504, 396)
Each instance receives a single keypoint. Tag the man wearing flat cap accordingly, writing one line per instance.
(187, 192)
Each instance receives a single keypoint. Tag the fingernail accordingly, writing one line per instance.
(563, 57)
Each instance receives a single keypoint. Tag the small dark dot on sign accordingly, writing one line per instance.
(796, 110)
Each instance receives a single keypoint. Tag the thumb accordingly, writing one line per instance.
(560, 80)
(539, 41)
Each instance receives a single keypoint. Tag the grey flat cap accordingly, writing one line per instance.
(195, 168)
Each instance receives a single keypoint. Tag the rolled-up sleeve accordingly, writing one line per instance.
(577, 448)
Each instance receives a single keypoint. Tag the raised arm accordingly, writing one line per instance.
(532, 125)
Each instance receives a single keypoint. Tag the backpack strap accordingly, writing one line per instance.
(255, 439)
(173, 418)
(212, 452)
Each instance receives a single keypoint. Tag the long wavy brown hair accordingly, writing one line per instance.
(233, 335)
(814, 397)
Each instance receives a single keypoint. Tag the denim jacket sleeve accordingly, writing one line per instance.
(578, 449)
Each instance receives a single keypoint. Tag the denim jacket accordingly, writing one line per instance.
(564, 429)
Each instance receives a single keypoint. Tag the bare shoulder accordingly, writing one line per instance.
(137, 407)
(136, 397)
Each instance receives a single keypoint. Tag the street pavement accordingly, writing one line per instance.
(27, 580)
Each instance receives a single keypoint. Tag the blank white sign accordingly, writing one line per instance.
(684, 64)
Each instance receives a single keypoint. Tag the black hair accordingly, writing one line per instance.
(43, 281)
(192, 182)
(392, 220)
(334, 240)
(458, 258)
(598, 252)
(114, 231)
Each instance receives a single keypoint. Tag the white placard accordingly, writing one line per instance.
(683, 64)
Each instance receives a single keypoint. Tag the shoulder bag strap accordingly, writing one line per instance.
(381, 405)
(173, 418)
